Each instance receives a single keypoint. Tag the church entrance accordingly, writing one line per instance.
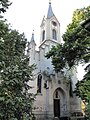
(57, 107)
(59, 103)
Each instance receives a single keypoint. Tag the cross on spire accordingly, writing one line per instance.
(49, 1)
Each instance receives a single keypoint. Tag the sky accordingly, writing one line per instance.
(26, 15)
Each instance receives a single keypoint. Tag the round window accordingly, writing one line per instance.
(54, 23)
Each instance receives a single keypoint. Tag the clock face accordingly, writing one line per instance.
(54, 23)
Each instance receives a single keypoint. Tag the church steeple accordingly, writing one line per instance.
(32, 38)
(50, 27)
(50, 11)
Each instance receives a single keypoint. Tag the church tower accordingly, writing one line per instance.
(50, 27)
(31, 49)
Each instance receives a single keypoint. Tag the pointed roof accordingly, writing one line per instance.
(32, 38)
(50, 11)
(42, 21)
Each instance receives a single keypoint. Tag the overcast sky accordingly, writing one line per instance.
(26, 15)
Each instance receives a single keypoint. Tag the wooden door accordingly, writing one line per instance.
(57, 108)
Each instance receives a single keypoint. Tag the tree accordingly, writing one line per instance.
(4, 4)
(75, 50)
(15, 99)
(83, 87)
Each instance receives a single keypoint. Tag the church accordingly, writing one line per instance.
(55, 97)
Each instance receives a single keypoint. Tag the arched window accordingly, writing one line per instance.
(43, 35)
(39, 83)
(54, 34)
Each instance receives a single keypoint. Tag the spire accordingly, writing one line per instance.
(50, 12)
(32, 38)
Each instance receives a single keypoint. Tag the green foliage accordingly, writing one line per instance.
(83, 89)
(87, 110)
(57, 54)
(83, 86)
(79, 16)
(4, 4)
(73, 51)
(15, 100)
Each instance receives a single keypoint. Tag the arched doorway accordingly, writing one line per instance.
(59, 102)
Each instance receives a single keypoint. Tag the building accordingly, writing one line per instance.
(54, 90)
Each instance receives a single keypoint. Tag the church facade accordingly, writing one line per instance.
(54, 90)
